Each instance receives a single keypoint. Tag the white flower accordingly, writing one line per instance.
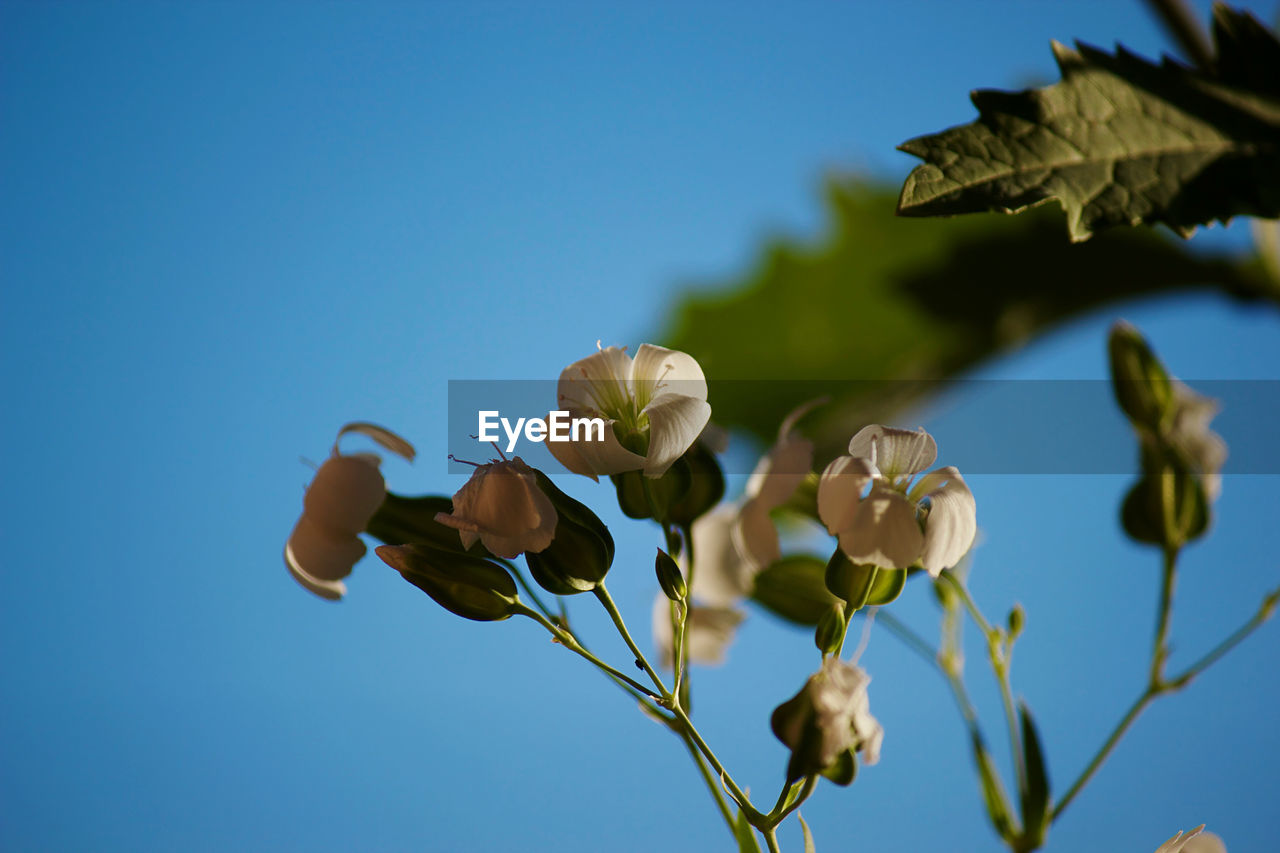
(654, 406)
(881, 528)
(1193, 841)
(776, 477)
(1189, 432)
(347, 490)
(834, 706)
(502, 506)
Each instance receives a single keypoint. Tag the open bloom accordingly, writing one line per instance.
(884, 528)
(654, 407)
(347, 490)
(502, 507)
(775, 479)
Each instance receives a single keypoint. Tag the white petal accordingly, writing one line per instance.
(503, 506)
(884, 531)
(568, 455)
(840, 490)
(597, 382)
(608, 456)
(953, 520)
(1178, 842)
(675, 421)
(319, 560)
(721, 576)
(382, 435)
(756, 537)
(658, 370)
(1205, 842)
(781, 471)
(894, 452)
(344, 495)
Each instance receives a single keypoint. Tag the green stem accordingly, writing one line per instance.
(612, 609)
(1160, 646)
(1234, 639)
(775, 817)
(529, 590)
(771, 839)
(712, 785)
(1103, 753)
(571, 643)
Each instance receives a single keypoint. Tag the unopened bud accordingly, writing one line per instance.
(829, 636)
(1017, 618)
(669, 577)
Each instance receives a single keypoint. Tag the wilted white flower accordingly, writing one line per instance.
(345, 493)
(503, 507)
(1193, 841)
(775, 479)
(829, 715)
(1203, 449)
(654, 407)
(882, 527)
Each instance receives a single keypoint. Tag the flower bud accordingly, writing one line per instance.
(641, 496)
(829, 636)
(706, 486)
(1141, 384)
(848, 580)
(669, 577)
(581, 553)
(1017, 618)
(471, 587)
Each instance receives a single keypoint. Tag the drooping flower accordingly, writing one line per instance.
(347, 490)
(775, 479)
(884, 528)
(503, 507)
(829, 716)
(654, 407)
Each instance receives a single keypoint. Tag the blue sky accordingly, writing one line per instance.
(229, 228)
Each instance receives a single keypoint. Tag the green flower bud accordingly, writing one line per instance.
(662, 493)
(849, 581)
(400, 520)
(669, 577)
(830, 633)
(472, 587)
(1142, 386)
(1017, 619)
(795, 589)
(581, 553)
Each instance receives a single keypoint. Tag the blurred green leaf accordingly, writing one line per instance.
(993, 795)
(795, 589)
(885, 307)
(809, 846)
(1119, 141)
(1035, 799)
(746, 836)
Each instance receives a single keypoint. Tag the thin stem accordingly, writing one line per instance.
(744, 802)
(1234, 639)
(1160, 646)
(810, 782)
(913, 641)
(612, 609)
(529, 590)
(685, 690)
(571, 643)
(969, 603)
(771, 839)
(1103, 752)
(1181, 23)
(712, 785)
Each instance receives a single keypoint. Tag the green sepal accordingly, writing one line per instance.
(1142, 512)
(401, 520)
(471, 587)
(706, 486)
(1035, 799)
(795, 589)
(850, 581)
(829, 636)
(887, 586)
(667, 491)
(809, 846)
(582, 551)
(844, 769)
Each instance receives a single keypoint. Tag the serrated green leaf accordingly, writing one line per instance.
(809, 846)
(884, 301)
(1035, 799)
(794, 588)
(1119, 141)
(745, 835)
